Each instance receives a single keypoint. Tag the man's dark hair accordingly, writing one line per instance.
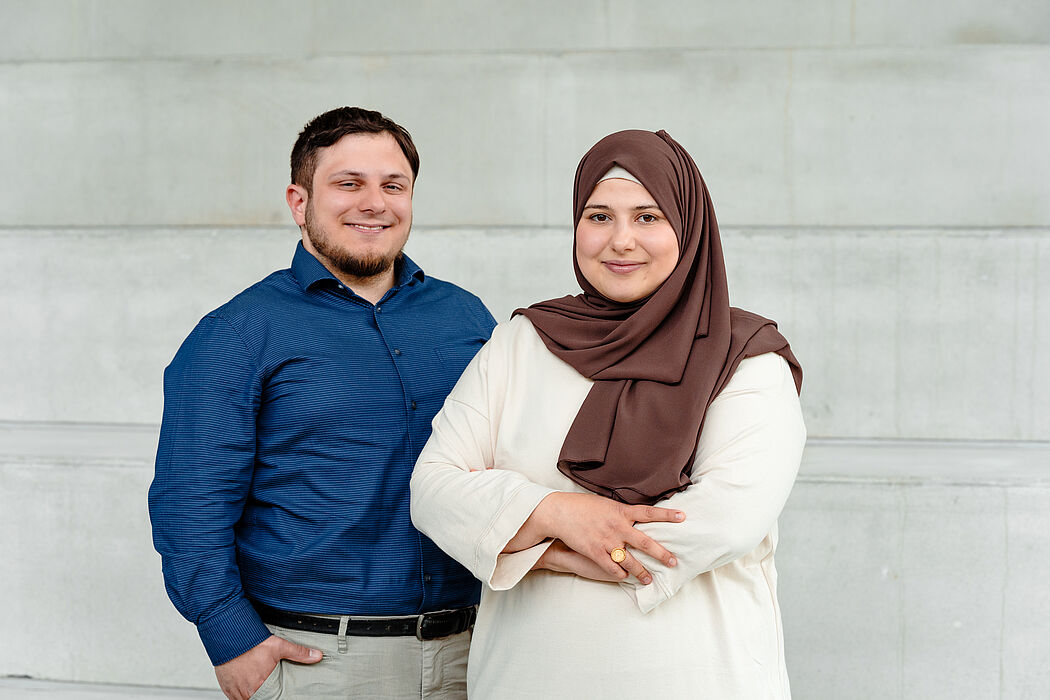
(324, 130)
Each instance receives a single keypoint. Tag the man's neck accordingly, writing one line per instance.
(369, 288)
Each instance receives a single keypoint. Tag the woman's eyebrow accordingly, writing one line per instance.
(606, 207)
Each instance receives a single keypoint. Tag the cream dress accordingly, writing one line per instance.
(707, 628)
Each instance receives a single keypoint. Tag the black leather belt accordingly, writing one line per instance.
(432, 625)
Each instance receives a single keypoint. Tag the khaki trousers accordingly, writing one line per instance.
(399, 668)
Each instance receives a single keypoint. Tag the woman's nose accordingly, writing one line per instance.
(622, 237)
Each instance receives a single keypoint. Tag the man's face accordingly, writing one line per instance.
(358, 217)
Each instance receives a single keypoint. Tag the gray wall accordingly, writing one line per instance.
(881, 173)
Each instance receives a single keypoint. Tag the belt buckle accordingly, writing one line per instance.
(419, 627)
(425, 617)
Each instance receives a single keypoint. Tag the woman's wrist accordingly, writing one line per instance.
(552, 558)
(536, 527)
(544, 516)
(543, 561)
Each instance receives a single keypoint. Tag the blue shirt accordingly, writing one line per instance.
(293, 416)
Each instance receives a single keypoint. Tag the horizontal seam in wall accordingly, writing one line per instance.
(732, 229)
(538, 53)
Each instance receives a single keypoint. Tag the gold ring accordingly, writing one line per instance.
(618, 555)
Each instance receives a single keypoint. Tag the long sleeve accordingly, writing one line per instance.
(204, 469)
(746, 463)
(462, 503)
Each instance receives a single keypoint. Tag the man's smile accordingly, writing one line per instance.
(369, 228)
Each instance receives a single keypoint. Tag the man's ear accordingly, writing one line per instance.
(297, 197)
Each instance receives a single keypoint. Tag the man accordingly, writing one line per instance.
(293, 416)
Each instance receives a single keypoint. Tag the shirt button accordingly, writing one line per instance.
(378, 309)
(426, 578)
(396, 351)
(413, 405)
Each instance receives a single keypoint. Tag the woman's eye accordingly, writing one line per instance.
(599, 218)
(647, 218)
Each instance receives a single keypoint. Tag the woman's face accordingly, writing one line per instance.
(625, 246)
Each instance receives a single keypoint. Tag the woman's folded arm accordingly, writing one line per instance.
(746, 463)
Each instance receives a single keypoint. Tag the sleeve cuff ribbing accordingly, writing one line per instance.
(232, 632)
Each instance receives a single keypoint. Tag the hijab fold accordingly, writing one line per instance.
(657, 363)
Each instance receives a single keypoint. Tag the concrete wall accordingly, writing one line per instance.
(917, 571)
(904, 333)
(881, 173)
(885, 168)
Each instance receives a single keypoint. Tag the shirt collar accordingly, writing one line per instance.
(410, 272)
(309, 271)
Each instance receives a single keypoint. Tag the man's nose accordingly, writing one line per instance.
(371, 200)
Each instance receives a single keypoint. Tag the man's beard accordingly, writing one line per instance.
(343, 260)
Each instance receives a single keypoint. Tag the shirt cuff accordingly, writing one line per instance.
(505, 525)
(232, 632)
(645, 597)
(511, 568)
(649, 596)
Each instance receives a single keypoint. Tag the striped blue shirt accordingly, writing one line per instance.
(293, 416)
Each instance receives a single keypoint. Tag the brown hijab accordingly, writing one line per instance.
(659, 362)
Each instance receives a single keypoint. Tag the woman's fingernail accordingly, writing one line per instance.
(672, 562)
(679, 516)
(646, 580)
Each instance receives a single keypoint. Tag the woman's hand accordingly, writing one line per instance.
(560, 558)
(594, 526)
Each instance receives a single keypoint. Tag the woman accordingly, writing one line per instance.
(582, 412)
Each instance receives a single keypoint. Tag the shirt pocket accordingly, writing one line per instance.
(455, 357)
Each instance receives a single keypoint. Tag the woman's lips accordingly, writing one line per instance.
(621, 267)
